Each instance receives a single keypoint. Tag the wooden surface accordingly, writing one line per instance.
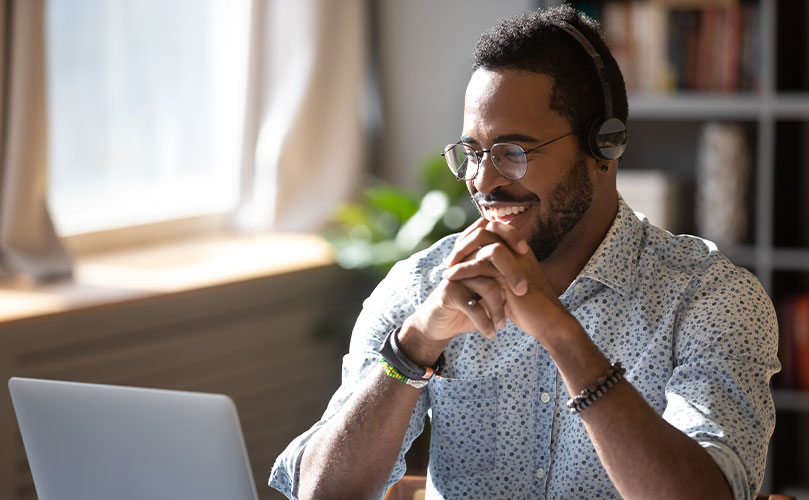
(149, 271)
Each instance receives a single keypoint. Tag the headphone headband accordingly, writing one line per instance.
(607, 136)
(601, 70)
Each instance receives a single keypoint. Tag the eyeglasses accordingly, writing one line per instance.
(509, 159)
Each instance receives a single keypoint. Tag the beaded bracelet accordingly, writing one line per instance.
(591, 393)
(393, 373)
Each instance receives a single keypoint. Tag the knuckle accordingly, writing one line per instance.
(492, 287)
(486, 252)
(478, 233)
(499, 250)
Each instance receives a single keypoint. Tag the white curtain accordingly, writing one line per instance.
(29, 245)
(304, 136)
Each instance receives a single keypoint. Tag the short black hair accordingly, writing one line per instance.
(532, 42)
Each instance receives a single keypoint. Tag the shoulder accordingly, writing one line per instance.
(681, 252)
(715, 293)
(696, 265)
(696, 259)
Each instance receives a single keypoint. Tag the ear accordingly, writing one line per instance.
(603, 173)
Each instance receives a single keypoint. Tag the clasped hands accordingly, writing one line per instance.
(492, 274)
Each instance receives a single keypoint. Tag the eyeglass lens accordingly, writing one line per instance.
(508, 159)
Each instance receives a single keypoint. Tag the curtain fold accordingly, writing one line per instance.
(304, 139)
(28, 242)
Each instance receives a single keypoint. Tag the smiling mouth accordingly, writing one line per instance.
(503, 213)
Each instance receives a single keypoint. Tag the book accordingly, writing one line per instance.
(793, 348)
(800, 342)
(669, 45)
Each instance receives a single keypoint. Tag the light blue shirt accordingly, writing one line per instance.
(696, 334)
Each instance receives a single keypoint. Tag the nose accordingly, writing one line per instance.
(488, 177)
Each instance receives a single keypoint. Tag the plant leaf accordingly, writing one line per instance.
(392, 200)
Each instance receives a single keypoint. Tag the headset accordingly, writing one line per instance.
(607, 136)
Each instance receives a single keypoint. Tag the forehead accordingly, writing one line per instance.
(507, 101)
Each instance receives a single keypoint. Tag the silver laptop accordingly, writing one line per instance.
(94, 442)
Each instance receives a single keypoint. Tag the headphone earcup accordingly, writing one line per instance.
(607, 139)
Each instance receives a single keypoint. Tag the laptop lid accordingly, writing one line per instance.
(94, 442)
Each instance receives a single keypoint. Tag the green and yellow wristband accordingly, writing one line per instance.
(393, 373)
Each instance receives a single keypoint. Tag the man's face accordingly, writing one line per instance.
(547, 204)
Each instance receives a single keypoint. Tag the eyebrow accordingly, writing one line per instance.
(502, 138)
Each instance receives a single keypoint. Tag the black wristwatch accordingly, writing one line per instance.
(393, 354)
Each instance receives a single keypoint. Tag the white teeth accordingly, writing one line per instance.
(503, 211)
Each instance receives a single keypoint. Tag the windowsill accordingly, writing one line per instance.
(166, 268)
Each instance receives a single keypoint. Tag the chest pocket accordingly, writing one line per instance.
(464, 426)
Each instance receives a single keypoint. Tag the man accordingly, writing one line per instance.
(536, 302)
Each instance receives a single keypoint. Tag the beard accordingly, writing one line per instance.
(568, 203)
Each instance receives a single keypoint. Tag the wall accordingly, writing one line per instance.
(424, 51)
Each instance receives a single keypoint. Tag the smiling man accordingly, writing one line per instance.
(563, 346)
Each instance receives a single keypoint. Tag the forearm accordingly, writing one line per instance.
(352, 455)
(645, 456)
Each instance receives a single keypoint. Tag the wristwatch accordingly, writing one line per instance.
(393, 354)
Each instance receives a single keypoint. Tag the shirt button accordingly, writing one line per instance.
(545, 397)
(540, 473)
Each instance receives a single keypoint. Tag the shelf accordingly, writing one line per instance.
(791, 400)
(790, 259)
(790, 105)
(778, 259)
(742, 255)
(709, 106)
(695, 106)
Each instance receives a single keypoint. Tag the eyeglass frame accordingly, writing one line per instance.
(480, 153)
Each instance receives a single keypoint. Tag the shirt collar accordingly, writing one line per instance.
(616, 258)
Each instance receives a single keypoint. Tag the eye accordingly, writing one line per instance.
(514, 155)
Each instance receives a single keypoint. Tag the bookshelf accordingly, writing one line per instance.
(772, 107)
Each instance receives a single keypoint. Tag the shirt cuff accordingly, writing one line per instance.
(286, 471)
(732, 468)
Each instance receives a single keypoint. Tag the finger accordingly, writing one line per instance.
(463, 236)
(479, 223)
(483, 233)
(492, 261)
(485, 305)
(471, 238)
(510, 236)
(465, 247)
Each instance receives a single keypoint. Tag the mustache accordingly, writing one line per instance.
(501, 196)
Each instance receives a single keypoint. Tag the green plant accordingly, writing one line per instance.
(388, 224)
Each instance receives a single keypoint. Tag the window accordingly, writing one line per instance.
(146, 109)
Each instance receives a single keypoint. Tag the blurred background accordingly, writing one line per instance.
(198, 194)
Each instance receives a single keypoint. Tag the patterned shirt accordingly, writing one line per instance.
(696, 334)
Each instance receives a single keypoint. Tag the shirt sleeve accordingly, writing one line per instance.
(726, 351)
(394, 299)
